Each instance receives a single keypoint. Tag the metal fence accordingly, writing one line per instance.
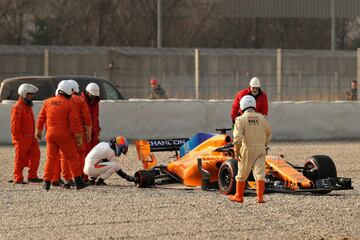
(287, 75)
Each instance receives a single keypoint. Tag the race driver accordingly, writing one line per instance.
(101, 162)
(252, 134)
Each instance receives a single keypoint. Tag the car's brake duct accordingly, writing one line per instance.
(205, 183)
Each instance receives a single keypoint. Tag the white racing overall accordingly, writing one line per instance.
(101, 161)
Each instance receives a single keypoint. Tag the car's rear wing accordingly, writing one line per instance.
(166, 145)
(145, 149)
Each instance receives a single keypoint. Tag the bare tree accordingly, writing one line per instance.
(14, 17)
(186, 23)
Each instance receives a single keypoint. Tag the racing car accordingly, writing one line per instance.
(207, 161)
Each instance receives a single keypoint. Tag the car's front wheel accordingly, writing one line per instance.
(319, 167)
(226, 177)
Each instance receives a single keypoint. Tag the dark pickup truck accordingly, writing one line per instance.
(48, 84)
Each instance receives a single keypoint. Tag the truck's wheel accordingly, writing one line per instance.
(320, 166)
(145, 178)
(226, 177)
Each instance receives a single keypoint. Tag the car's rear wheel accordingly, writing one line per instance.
(145, 178)
(318, 167)
(226, 177)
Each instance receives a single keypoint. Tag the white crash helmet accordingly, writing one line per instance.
(57, 89)
(255, 82)
(26, 88)
(74, 84)
(65, 87)
(93, 89)
(246, 102)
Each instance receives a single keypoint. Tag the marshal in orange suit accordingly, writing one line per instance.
(85, 122)
(27, 151)
(63, 134)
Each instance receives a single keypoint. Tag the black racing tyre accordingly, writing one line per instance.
(226, 177)
(319, 166)
(145, 178)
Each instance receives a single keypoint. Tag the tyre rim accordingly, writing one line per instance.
(225, 179)
(312, 167)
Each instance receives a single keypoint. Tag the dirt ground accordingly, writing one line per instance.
(122, 211)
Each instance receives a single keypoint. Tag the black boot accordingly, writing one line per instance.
(100, 182)
(66, 185)
(79, 183)
(58, 183)
(47, 185)
(92, 181)
(35, 180)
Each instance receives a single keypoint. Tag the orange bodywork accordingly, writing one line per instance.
(292, 178)
(186, 167)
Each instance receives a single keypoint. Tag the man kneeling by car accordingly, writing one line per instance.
(101, 162)
(252, 134)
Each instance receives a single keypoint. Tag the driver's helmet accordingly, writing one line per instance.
(119, 145)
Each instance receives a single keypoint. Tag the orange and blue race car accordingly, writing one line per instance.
(207, 161)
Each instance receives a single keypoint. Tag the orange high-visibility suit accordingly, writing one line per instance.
(62, 125)
(93, 106)
(27, 151)
(83, 115)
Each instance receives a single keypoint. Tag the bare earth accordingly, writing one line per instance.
(122, 211)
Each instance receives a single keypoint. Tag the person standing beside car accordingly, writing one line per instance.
(63, 133)
(85, 121)
(27, 151)
(252, 134)
(255, 91)
(91, 95)
(82, 110)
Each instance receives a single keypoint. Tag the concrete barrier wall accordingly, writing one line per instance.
(182, 118)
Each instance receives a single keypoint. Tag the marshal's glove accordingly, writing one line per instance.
(38, 134)
(79, 140)
(88, 133)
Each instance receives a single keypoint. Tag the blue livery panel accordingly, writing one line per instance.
(195, 141)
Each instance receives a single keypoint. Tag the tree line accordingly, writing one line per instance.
(185, 23)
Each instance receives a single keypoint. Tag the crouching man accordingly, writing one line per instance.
(252, 134)
(100, 163)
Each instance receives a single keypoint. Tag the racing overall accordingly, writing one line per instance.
(101, 162)
(252, 133)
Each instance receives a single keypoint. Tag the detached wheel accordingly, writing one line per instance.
(226, 177)
(145, 178)
(320, 166)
